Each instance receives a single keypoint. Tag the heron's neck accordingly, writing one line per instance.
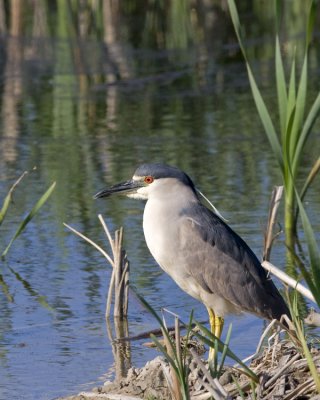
(172, 200)
(160, 220)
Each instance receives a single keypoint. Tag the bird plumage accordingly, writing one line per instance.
(202, 254)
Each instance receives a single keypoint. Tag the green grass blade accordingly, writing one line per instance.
(236, 24)
(312, 174)
(240, 391)
(306, 130)
(291, 103)
(5, 206)
(281, 87)
(278, 9)
(286, 144)
(305, 274)
(8, 198)
(165, 353)
(29, 217)
(149, 308)
(224, 351)
(299, 107)
(210, 339)
(313, 249)
(299, 327)
(310, 22)
(152, 312)
(266, 119)
(260, 104)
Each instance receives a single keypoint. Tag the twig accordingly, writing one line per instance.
(104, 225)
(157, 332)
(172, 378)
(281, 370)
(106, 255)
(288, 280)
(273, 209)
(119, 282)
(213, 386)
(263, 336)
(110, 292)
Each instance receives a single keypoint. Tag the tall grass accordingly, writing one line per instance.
(295, 123)
(288, 144)
(180, 359)
(19, 230)
(288, 140)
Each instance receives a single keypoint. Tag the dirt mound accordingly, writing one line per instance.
(283, 374)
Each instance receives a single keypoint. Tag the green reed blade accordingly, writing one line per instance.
(8, 198)
(312, 174)
(210, 340)
(313, 249)
(306, 130)
(300, 104)
(260, 104)
(281, 87)
(236, 24)
(291, 97)
(225, 350)
(311, 22)
(5, 206)
(266, 119)
(163, 350)
(29, 217)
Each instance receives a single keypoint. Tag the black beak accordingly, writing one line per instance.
(120, 188)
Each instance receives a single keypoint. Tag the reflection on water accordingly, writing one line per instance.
(87, 93)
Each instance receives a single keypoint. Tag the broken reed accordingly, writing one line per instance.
(119, 282)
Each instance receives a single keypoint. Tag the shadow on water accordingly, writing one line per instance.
(89, 90)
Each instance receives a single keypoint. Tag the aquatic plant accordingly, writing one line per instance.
(288, 145)
(289, 142)
(20, 229)
(180, 358)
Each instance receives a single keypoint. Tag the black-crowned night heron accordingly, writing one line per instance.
(201, 253)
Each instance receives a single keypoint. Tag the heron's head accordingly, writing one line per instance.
(151, 179)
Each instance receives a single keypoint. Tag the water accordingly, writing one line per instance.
(91, 128)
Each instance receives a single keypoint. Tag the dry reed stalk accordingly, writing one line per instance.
(285, 278)
(121, 273)
(273, 210)
(171, 376)
(269, 237)
(119, 282)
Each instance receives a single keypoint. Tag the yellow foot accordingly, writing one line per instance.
(216, 326)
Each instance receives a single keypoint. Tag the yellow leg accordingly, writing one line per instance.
(216, 326)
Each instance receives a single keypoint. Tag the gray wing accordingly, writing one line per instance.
(222, 263)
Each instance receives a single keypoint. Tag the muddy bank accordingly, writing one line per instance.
(283, 374)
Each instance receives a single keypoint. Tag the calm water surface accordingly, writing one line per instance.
(84, 133)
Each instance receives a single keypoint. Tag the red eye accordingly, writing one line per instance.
(148, 179)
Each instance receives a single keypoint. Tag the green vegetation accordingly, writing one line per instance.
(289, 144)
(20, 229)
(302, 342)
(180, 357)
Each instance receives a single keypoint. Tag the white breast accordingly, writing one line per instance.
(157, 227)
(162, 235)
